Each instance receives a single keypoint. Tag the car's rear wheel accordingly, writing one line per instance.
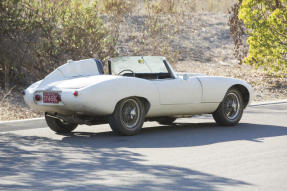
(166, 120)
(230, 110)
(59, 126)
(128, 117)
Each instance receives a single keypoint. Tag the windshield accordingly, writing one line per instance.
(138, 64)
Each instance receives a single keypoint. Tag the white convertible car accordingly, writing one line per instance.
(134, 90)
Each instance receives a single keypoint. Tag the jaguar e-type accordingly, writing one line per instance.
(133, 90)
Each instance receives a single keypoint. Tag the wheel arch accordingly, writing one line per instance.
(143, 99)
(145, 102)
(244, 92)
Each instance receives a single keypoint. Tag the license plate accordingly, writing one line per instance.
(50, 97)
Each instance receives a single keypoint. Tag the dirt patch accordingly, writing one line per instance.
(12, 106)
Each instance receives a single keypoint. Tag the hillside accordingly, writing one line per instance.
(201, 45)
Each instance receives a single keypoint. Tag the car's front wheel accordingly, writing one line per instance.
(59, 126)
(128, 117)
(230, 110)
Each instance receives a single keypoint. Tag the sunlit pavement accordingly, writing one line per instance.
(194, 154)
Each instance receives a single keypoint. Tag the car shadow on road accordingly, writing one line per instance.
(178, 135)
(103, 161)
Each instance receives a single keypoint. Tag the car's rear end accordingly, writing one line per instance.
(52, 100)
(58, 92)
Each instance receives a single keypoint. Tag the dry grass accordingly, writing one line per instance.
(213, 6)
(168, 6)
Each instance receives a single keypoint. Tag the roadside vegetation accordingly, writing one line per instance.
(259, 30)
(36, 36)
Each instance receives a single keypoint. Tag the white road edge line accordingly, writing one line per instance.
(268, 102)
(252, 104)
(22, 120)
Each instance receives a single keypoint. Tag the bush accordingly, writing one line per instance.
(266, 24)
(36, 36)
(145, 27)
(160, 28)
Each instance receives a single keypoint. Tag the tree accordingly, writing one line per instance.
(266, 24)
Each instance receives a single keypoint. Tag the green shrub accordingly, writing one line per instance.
(266, 25)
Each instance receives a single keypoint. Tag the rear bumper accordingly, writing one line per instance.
(46, 107)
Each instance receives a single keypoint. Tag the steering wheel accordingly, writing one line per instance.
(127, 70)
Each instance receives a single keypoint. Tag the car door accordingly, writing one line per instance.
(179, 91)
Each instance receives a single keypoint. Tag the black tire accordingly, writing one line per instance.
(58, 126)
(166, 120)
(230, 110)
(128, 117)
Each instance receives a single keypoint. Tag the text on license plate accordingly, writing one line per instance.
(50, 97)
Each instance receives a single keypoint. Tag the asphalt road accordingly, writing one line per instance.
(194, 154)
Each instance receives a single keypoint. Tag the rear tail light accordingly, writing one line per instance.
(38, 97)
(75, 93)
(23, 92)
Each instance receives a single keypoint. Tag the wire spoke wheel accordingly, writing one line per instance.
(229, 112)
(128, 117)
(130, 113)
(231, 106)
